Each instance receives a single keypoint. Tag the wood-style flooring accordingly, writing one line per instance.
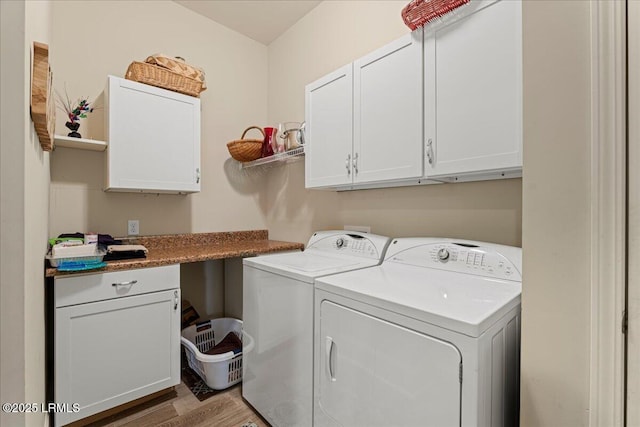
(183, 409)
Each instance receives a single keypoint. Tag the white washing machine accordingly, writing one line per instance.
(431, 337)
(277, 372)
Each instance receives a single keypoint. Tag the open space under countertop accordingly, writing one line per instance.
(184, 248)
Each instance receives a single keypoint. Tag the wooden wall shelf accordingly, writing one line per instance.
(79, 143)
(43, 112)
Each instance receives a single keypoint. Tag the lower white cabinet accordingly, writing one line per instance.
(117, 338)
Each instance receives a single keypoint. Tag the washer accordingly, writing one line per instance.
(431, 337)
(278, 290)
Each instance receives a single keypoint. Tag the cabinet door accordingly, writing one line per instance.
(154, 139)
(375, 373)
(111, 352)
(329, 117)
(473, 93)
(388, 112)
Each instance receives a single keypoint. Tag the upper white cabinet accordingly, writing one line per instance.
(387, 113)
(364, 121)
(442, 106)
(153, 139)
(473, 94)
(329, 118)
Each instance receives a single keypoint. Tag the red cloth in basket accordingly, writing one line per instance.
(230, 342)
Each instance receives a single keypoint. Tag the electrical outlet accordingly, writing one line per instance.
(133, 227)
(360, 228)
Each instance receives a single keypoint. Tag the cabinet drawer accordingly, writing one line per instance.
(80, 289)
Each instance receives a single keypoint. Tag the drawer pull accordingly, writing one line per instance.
(132, 282)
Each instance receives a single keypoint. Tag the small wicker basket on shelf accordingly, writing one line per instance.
(246, 150)
(161, 77)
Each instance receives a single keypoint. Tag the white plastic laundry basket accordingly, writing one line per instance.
(219, 371)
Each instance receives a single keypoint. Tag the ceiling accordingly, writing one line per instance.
(261, 20)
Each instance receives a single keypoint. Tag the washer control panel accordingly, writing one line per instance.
(462, 258)
(356, 246)
(348, 243)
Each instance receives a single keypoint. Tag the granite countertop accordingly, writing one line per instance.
(185, 248)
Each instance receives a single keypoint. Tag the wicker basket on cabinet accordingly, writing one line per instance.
(162, 77)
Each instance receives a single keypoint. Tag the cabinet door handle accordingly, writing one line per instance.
(328, 353)
(355, 163)
(197, 175)
(430, 151)
(347, 164)
(175, 300)
(129, 283)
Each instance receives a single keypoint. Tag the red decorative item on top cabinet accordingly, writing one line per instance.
(418, 13)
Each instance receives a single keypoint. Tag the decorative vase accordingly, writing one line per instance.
(73, 127)
(267, 149)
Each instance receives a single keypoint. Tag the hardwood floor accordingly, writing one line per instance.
(183, 409)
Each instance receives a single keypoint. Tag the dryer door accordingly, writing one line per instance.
(376, 373)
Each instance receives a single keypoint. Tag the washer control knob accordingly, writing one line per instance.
(340, 242)
(443, 254)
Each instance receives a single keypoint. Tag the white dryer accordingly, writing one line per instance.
(277, 372)
(431, 337)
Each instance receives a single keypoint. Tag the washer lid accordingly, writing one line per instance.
(460, 302)
(328, 252)
(308, 265)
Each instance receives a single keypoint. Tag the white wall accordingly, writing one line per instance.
(250, 84)
(244, 79)
(117, 34)
(12, 81)
(556, 221)
(331, 35)
(24, 191)
(633, 367)
(236, 97)
(555, 234)
(36, 232)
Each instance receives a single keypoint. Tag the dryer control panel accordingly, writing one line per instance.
(350, 243)
(477, 258)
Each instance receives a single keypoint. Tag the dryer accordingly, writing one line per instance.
(278, 291)
(431, 337)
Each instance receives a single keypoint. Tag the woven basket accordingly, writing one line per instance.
(246, 150)
(420, 12)
(161, 77)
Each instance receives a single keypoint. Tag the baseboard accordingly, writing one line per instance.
(126, 408)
